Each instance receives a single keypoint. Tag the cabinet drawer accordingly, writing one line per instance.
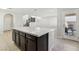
(30, 37)
(17, 32)
(22, 34)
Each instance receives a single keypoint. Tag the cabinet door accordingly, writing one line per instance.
(13, 35)
(31, 42)
(31, 46)
(22, 43)
(17, 40)
(42, 43)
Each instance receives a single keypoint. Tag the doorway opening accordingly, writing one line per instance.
(8, 22)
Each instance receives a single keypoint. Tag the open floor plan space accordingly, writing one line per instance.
(39, 29)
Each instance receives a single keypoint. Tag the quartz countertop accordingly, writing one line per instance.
(37, 31)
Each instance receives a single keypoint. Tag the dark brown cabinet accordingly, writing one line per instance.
(22, 41)
(13, 35)
(31, 42)
(17, 38)
(43, 43)
(28, 42)
(31, 46)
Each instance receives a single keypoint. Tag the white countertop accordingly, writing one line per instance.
(37, 31)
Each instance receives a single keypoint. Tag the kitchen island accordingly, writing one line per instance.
(31, 39)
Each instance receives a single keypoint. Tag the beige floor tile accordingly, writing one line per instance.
(6, 43)
(66, 45)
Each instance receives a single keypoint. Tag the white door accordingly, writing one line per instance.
(8, 22)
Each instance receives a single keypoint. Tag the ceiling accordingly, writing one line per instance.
(35, 11)
(41, 12)
(66, 9)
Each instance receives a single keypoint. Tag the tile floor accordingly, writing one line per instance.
(6, 43)
(66, 45)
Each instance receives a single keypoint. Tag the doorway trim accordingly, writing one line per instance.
(4, 20)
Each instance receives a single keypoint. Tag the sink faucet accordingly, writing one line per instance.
(29, 21)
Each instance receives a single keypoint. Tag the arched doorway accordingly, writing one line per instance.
(8, 22)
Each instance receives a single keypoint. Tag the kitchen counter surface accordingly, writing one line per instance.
(34, 31)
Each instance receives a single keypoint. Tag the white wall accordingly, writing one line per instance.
(49, 22)
(48, 15)
(1, 24)
(2, 14)
(18, 21)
